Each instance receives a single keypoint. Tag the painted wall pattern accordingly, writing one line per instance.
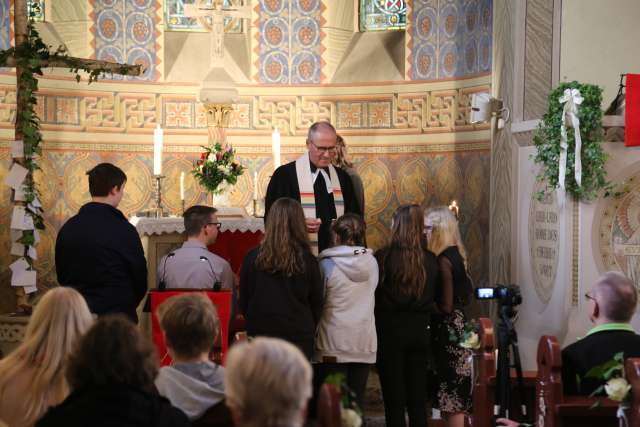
(449, 38)
(126, 31)
(5, 24)
(289, 41)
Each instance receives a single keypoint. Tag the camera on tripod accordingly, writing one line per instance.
(508, 295)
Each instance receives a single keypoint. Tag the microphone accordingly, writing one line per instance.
(216, 284)
(162, 285)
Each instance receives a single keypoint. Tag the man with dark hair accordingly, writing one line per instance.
(193, 265)
(325, 191)
(99, 253)
(612, 302)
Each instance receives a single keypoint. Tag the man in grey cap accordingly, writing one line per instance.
(193, 266)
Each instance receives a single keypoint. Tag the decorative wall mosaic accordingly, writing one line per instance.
(5, 24)
(289, 41)
(434, 111)
(125, 31)
(449, 38)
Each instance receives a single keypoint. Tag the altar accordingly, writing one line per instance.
(160, 236)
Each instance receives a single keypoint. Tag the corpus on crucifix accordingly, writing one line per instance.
(29, 56)
(216, 12)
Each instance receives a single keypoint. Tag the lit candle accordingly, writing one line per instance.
(453, 207)
(157, 150)
(255, 186)
(275, 148)
(182, 186)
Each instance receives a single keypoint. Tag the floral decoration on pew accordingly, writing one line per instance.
(469, 338)
(350, 413)
(217, 170)
(616, 386)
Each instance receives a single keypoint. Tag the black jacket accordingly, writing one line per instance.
(121, 406)
(279, 306)
(284, 183)
(99, 253)
(594, 350)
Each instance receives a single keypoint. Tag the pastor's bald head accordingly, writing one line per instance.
(617, 296)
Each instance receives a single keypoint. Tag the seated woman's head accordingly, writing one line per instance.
(113, 352)
(190, 325)
(267, 383)
(59, 319)
(442, 229)
(349, 230)
(285, 239)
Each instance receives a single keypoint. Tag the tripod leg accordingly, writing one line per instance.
(518, 366)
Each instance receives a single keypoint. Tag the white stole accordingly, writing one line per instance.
(307, 195)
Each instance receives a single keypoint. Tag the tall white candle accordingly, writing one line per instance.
(181, 185)
(275, 148)
(255, 186)
(157, 150)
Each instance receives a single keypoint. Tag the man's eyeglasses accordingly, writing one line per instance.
(330, 150)
(589, 297)
(217, 224)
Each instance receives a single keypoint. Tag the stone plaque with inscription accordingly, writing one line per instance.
(544, 245)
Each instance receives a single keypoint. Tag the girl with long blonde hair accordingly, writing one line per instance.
(404, 302)
(453, 395)
(280, 285)
(32, 377)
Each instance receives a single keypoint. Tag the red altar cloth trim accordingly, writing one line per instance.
(234, 245)
(632, 111)
(222, 301)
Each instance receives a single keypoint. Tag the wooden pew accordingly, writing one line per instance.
(554, 409)
(484, 386)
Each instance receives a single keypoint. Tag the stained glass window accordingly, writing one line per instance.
(176, 20)
(36, 7)
(378, 15)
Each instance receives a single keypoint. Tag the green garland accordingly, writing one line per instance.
(547, 142)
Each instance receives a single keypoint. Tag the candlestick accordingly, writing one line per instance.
(275, 148)
(157, 151)
(159, 211)
(182, 186)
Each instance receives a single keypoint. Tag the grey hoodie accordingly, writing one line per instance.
(192, 387)
(347, 329)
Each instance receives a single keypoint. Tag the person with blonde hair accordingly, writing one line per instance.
(280, 285)
(453, 363)
(342, 161)
(268, 384)
(190, 325)
(404, 303)
(32, 377)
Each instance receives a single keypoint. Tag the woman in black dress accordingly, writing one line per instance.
(404, 302)
(453, 363)
(280, 286)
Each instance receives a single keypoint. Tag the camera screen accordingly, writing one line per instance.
(484, 293)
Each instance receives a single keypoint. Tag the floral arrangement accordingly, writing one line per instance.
(217, 170)
(616, 387)
(469, 338)
(350, 413)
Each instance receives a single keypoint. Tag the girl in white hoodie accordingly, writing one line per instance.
(346, 339)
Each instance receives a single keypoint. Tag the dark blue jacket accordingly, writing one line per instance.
(99, 253)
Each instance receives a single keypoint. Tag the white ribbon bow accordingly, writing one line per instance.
(571, 99)
(622, 416)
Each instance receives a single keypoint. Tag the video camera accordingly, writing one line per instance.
(506, 295)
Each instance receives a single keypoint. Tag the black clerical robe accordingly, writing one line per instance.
(284, 183)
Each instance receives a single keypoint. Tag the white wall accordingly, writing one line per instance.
(599, 40)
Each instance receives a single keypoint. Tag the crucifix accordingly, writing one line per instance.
(29, 56)
(217, 12)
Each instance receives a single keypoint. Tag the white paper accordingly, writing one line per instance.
(17, 249)
(24, 278)
(32, 252)
(15, 235)
(17, 148)
(36, 202)
(19, 195)
(20, 264)
(17, 219)
(27, 224)
(16, 176)
(30, 289)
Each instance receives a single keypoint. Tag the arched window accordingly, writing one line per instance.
(176, 20)
(379, 15)
(36, 8)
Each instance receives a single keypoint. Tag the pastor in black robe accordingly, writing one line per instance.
(284, 183)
